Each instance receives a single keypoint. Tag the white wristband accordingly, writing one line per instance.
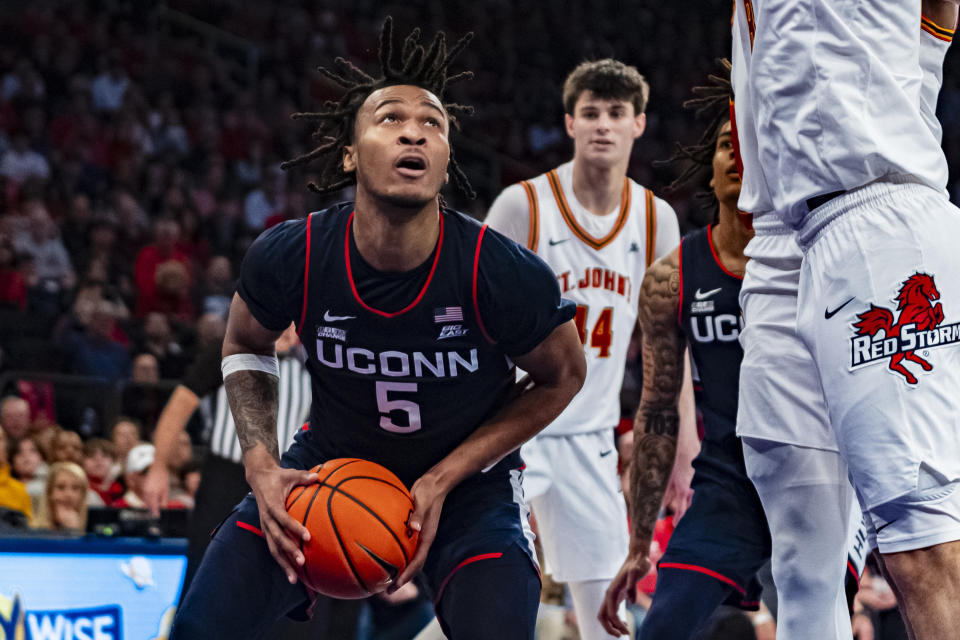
(249, 362)
(762, 618)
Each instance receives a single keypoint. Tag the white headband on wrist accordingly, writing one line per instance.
(249, 362)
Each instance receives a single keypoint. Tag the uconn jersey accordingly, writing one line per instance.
(710, 318)
(402, 385)
(599, 262)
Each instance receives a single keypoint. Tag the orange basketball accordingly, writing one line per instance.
(357, 517)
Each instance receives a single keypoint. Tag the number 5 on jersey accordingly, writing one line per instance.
(386, 406)
(601, 337)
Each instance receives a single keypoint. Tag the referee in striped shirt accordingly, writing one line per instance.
(222, 483)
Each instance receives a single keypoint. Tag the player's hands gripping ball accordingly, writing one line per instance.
(359, 520)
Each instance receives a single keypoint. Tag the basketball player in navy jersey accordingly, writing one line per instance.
(690, 297)
(413, 316)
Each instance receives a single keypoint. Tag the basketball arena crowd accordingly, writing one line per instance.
(139, 158)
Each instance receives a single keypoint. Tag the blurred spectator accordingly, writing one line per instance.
(13, 286)
(294, 207)
(20, 162)
(110, 85)
(125, 434)
(162, 271)
(159, 341)
(67, 447)
(879, 602)
(269, 198)
(15, 416)
(13, 495)
(138, 463)
(215, 291)
(51, 263)
(145, 369)
(180, 456)
(22, 82)
(94, 350)
(190, 476)
(98, 463)
(210, 330)
(29, 467)
(63, 507)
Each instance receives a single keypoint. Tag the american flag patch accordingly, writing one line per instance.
(448, 314)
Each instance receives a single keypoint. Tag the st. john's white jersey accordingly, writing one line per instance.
(831, 92)
(599, 262)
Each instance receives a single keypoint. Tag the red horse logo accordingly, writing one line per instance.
(915, 304)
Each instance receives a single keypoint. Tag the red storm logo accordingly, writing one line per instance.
(919, 325)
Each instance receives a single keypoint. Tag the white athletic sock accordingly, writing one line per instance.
(587, 599)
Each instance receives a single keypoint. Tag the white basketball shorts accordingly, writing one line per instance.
(571, 483)
(879, 310)
(780, 396)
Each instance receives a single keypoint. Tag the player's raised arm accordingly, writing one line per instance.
(655, 427)
(251, 380)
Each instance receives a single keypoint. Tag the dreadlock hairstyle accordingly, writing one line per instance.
(712, 102)
(414, 65)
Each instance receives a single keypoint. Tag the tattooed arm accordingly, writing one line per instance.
(655, 427)
(253, 401)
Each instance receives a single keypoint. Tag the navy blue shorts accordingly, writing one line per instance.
(724, 534)
(481, 570)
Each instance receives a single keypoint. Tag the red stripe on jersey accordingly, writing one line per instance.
(716, 257)
(482, 556)
(703, 570)
(306, 276)
(476, 268)
(680, 305)
(423, 291)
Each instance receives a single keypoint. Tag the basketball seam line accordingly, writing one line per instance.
(306, 513)
(336, 489)
(336, 532)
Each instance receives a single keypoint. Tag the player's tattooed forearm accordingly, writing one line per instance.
(660, 423)
(652, 463)
(253, 401)
(662, 341)
(657, 422)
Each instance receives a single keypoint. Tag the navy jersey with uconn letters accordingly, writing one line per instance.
(404, 366)
(724, 533)
(710, 318)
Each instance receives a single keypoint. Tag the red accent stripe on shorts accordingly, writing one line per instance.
(853, 571)
(703, 570)
(306, 277)
(476, 267)
(250, 528)
(482, 556)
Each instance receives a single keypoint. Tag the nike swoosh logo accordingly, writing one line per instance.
(329, 318)
(392, 571)
(879, 529)
(703, 295)
(604, 454)
(827, 314)
(554, 243)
